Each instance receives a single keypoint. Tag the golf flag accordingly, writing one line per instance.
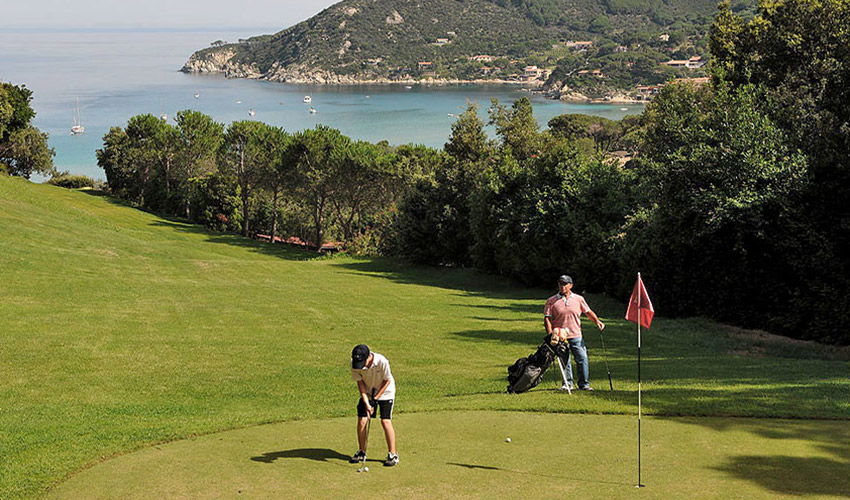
(640, 305)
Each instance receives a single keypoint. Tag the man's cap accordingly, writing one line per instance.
(564, 279)
(358, 356)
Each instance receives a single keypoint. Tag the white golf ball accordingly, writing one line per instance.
(366, 469)
(508, 440)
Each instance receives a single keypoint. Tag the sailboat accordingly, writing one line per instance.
(77, 127)
(162, 115)
(197, 95)
(252, 112)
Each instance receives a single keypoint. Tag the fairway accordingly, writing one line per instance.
(122, 331)
(466, 455)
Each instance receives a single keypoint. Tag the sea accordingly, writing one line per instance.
(115, 74)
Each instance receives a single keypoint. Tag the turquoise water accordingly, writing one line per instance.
(119, 74)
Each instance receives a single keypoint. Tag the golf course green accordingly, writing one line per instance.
(149, 358)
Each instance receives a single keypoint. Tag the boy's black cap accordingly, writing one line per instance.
(565, 279)
(358, 356)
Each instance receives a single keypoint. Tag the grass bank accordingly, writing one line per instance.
(121, 329)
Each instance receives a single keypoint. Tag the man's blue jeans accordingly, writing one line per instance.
(579, 350)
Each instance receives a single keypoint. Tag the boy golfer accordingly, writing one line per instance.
(376, 385)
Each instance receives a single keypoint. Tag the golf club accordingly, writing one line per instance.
(610, 384)
(363, 467)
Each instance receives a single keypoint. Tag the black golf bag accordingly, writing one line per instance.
(526, 373)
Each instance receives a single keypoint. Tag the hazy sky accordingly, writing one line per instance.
(156, 13)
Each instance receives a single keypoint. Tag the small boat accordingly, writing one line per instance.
(239, 101)
(624, 109)
(368, 96)
(252, 112)
(307, 99)
(197, 95)
(77, 127)
(312, 109)
(450, 114)
(408, 87)
(162, 115)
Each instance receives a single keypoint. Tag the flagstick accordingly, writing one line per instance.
(639, 485)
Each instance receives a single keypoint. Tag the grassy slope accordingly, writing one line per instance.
(120, 329)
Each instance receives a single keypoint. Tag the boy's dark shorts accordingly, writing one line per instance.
(386, 407)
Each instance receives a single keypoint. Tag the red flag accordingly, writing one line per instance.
(640, 302)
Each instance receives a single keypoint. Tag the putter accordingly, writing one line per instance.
(368, 431)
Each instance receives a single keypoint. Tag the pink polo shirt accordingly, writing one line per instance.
(566, 313)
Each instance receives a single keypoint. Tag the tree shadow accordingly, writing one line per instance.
(530, 339)
(792, 475)
(275, 250)
(318, 454)
(468, 282)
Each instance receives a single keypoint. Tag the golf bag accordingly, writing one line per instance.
(526, 373)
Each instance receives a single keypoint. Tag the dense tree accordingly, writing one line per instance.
(278, 168)
(26, 152)
(799, 51)
(319, 152)
(198, 140)
(23, 148)
(143, 152)
(719, 179)
(517, 128)
(246, 156)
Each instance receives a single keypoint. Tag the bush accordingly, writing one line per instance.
(72, 181)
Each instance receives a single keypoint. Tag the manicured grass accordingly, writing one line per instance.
(121, 329)
(465, 455)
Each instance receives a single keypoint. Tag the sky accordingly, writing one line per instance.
(151, 14)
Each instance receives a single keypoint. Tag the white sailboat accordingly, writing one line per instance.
(77, 127)
(162, 115)
(308, 99)
(312, 110)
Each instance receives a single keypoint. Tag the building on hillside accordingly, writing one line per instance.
(442, 41)
(696, 81)
(692, 63)
(483, 58)
(579, 45)
(531, 72)
(424, 65)
(645, 92)
(664, 38)
(696, 62)
(451, 33)
(596, 72)
(676, 63)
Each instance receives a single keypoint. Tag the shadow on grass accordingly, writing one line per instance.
(281, 251)
(318, 454)
(469, 282)
(532, 473)
(792, 475)
(530, 339)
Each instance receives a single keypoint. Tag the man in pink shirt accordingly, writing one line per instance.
(562, 319)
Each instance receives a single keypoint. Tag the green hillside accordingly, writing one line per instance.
(387, 39)
(121, 329)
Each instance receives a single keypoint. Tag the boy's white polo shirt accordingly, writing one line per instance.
(375, 375)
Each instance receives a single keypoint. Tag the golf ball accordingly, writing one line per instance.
(366, 469)
(508, 440)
